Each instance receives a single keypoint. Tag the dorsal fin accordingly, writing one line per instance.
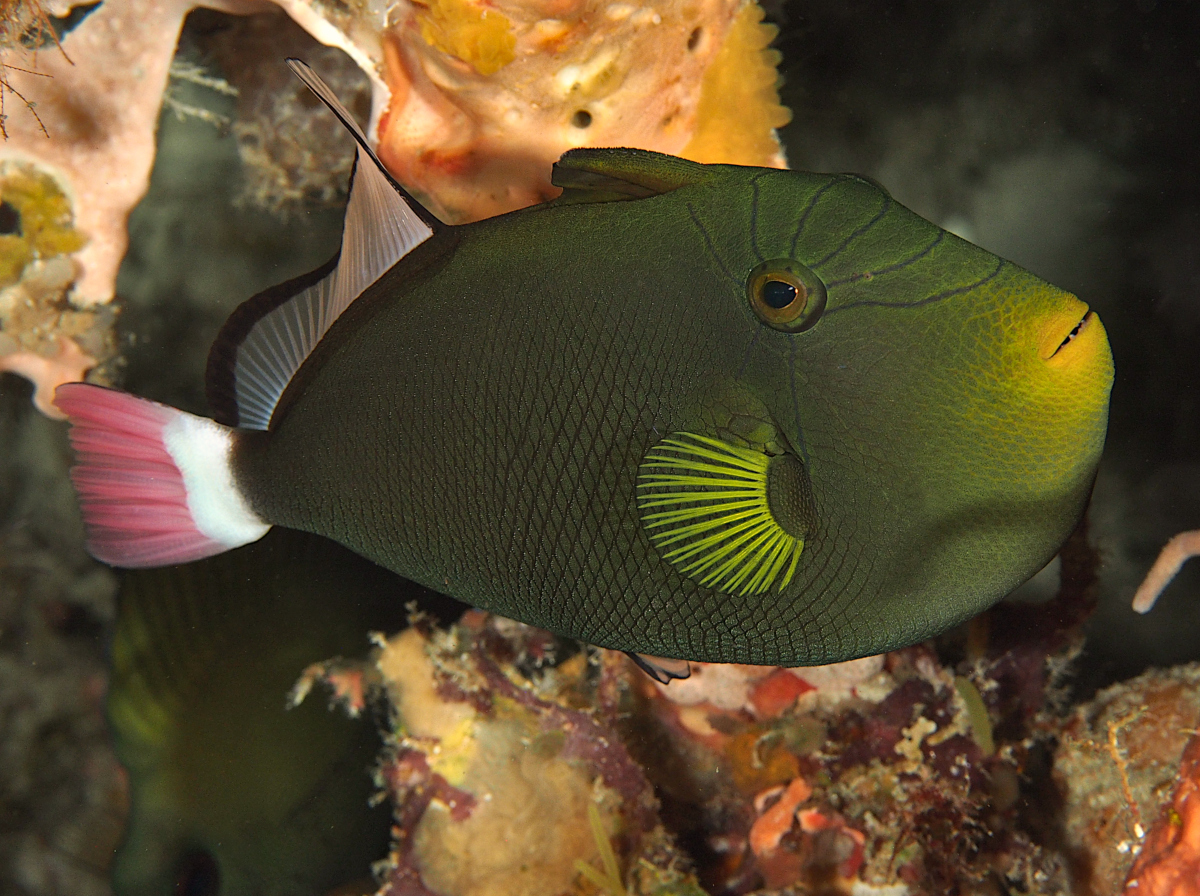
(265, 341)
(611, 175)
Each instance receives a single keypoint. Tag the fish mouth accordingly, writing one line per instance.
(1062, 335)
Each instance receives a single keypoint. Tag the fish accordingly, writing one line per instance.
(232, 792)
(688, 411)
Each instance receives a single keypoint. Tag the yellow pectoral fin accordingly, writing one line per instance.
(723, 515)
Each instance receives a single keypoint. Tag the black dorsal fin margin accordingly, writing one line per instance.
(220, 384)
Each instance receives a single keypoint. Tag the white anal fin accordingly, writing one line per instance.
(269, 340)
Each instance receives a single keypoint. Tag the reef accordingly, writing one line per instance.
(508, 778)
(1127, 769)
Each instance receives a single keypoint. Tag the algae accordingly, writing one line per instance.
(41, 221)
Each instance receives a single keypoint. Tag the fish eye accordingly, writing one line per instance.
(197, 875)
(786, 295)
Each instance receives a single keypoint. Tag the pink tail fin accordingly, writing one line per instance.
(154, 482)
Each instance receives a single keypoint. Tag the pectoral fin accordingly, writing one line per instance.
(734, 519)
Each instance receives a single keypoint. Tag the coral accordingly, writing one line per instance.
(894, 774)
(772, 823)
(70, 176)
(472, 103)
(1169, 863)
(1174, 554)
(739, 102)
(67, 365)
(1117, 762)
(485, 97)
(42, 337)
(520, 763)
(470, 32)
(98, 137)
(501, 784)
(471, 107)
(857, 788)
(23, 23)
(37, 220)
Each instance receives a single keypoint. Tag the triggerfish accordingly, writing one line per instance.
(705, 412)
(232, 793)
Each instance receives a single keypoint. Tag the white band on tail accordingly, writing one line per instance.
(200, 448)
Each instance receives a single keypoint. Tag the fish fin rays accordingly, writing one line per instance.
(265, 342)
(731, 518)
(314, 83)
(155, 484)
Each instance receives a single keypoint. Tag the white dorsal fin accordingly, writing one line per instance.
(383, 224)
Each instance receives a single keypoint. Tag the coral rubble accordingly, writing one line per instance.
(1117, 763)
(895, 775)
(497, 766)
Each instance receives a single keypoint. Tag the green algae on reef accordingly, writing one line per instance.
(40, 223)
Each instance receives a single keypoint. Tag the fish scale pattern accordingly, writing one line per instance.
(478, 421)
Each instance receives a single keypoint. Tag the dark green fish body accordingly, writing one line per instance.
(231, 792)
(706, 412)
(504, 426)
